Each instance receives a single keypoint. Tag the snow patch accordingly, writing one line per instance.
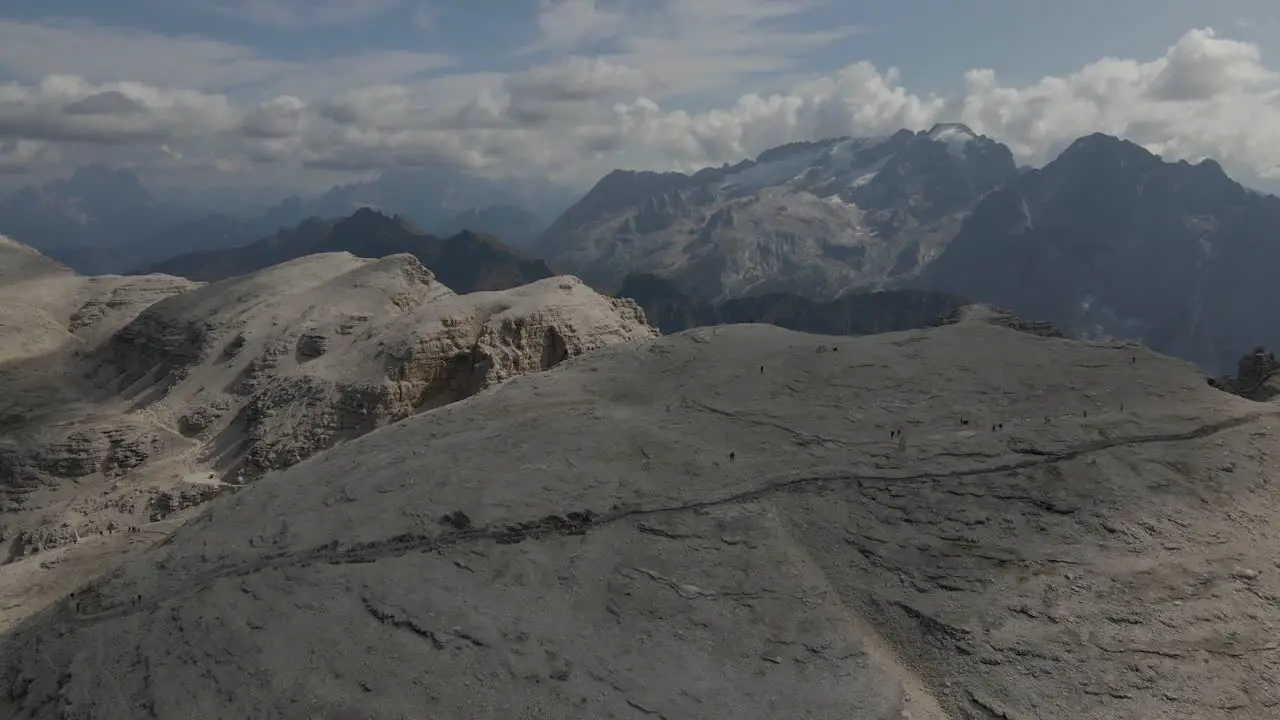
(954, 135)
(773, 173)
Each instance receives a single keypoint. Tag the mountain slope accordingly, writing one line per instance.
(517, 227)
(816, 219)
(466, 262)
(48, 308)
(128, 401)
(854, 314)
(1109, 240)
(663, 529)
(433, 196)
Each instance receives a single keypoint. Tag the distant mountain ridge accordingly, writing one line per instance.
(465, 262)
(1109, 240)
(673, 311)
(1106, 241)
(817, 219)
(105, 220)
(74, 218)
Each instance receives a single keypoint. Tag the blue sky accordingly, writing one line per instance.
(306, 92)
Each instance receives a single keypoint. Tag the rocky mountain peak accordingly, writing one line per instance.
(846, 209)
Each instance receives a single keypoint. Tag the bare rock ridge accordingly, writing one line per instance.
(961, 522)
(465, 262)
(672, 310)
(129, 416)
(271, 358)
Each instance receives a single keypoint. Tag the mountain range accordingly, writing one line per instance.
(816, 219)
(1106, 240)
(105, 220)
(467, 261)
(973, 518)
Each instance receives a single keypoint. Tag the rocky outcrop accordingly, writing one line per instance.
(40, 457)
(1257, 377)
(183, 497)
(1003, 318)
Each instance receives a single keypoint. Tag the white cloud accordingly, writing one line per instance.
(574, 118)
(299, 13)
(18, 156)
(685, 46)
(566, 25)
(68, 109)
(32, 51)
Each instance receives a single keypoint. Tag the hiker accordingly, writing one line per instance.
(731, 456)
(761, 369)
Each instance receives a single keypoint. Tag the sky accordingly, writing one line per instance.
(303, 94)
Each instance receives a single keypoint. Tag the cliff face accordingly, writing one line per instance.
(308, 353)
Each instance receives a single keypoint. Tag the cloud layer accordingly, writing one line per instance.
(605, 89)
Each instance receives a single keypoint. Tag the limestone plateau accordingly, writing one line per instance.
(335, 487)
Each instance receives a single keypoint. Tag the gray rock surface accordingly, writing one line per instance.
(968, 521)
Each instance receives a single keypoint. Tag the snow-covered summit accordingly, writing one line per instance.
(956, 136)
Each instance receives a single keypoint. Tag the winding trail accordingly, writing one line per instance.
(583, 521)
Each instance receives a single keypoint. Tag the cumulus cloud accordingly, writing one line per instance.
(69, 109)
(573, 118)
